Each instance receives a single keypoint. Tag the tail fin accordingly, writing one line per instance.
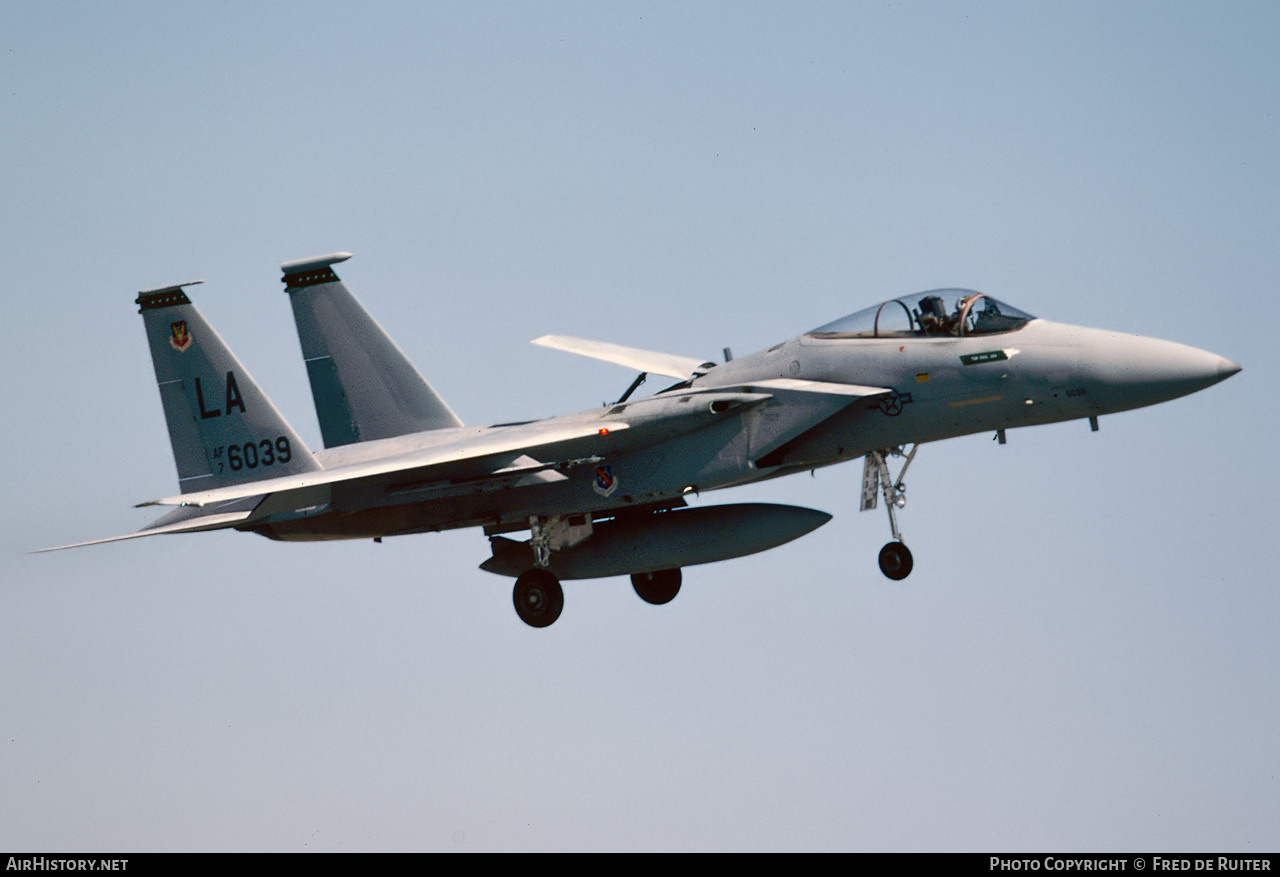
(223, 428)
(363, 385)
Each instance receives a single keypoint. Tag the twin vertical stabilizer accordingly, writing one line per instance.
(363, 385)
(224, 429)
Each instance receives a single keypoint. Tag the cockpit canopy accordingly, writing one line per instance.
(938, 313)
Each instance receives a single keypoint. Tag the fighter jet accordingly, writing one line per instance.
(602, 492)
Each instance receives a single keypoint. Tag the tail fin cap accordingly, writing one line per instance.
(164, 296)
(310, 272)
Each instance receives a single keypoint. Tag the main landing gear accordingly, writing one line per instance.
(538, 597)
(895, 557)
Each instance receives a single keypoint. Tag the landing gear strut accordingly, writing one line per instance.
(538, 597)
(657, 587)
(895, 557)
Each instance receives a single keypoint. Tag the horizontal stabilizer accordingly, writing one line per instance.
(668, 364)
(192, 525)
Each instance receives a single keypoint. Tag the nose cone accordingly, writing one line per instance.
(1131, 371)
(1226, 368)
(1176, 369)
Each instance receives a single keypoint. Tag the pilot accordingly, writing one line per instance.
(991, 320)
(932, 315)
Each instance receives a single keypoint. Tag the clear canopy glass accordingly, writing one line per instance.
(938, 313)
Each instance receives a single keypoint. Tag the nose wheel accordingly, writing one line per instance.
(895, 558)
(895, 561)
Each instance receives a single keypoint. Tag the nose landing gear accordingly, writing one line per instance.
(895, 561)
(895, 558)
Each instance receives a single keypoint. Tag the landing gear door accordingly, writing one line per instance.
(870, 483)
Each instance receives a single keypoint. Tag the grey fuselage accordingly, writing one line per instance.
(941, 386)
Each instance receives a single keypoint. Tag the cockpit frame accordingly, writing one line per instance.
(939, 313)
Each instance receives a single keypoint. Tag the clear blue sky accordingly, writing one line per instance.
(1086, 655)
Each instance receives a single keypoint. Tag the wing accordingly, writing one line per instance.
(669, 364)
(499, 446)
(483, 452)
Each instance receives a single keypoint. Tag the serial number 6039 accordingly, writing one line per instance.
(251, 455)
